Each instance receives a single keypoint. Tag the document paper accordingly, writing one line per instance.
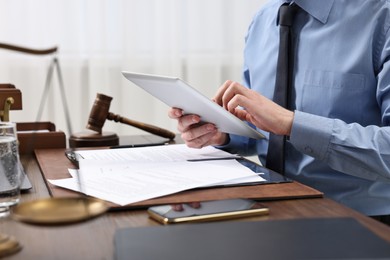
(129, 175)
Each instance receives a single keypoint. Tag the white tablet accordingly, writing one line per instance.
(176, 93)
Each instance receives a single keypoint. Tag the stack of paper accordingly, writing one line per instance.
(125, 176)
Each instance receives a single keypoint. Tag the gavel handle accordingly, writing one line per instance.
(146, 127)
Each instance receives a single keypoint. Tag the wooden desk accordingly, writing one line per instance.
(94, 239)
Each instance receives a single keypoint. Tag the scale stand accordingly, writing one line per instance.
(8, 245)
(55, 64)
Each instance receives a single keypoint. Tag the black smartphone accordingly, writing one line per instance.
(208, 211)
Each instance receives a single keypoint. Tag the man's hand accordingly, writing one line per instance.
(194, 133)
(259, 110)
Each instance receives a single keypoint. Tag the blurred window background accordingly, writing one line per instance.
(200, 41)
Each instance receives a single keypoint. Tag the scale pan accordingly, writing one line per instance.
(58, 211)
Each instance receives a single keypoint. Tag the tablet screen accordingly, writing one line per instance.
(174, 92)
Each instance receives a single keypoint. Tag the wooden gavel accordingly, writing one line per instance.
(100, 112)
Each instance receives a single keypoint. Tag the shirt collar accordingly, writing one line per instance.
(319, 9)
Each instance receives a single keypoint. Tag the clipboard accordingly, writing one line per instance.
(176, 93)
(268, 175)
(54, 165)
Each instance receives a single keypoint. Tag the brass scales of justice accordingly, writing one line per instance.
(50, 211)
(60, 211)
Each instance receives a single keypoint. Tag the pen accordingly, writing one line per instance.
(136, 145)
(215, 159)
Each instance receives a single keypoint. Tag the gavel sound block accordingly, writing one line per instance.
(98, 116)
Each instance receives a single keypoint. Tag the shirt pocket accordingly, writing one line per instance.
(333, 95)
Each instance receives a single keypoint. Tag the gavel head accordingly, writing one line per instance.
(99, 113)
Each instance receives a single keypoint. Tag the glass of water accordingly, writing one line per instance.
(10, 173)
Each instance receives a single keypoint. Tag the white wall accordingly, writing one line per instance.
(200, 41)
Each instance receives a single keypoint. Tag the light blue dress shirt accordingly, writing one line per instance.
(340, 139)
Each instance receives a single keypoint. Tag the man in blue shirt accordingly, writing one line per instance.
(338, 130)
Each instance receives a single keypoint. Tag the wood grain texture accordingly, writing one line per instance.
(94, 239)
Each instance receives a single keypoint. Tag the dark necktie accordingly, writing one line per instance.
(284, 70)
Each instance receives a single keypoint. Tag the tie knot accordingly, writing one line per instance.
(287, 14)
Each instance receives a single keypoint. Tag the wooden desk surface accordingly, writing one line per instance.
(94, 239)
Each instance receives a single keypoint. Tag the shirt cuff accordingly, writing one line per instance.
(230, 145)
(239, 145)
(311, 134)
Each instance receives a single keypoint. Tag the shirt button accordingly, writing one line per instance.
(308, 149)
